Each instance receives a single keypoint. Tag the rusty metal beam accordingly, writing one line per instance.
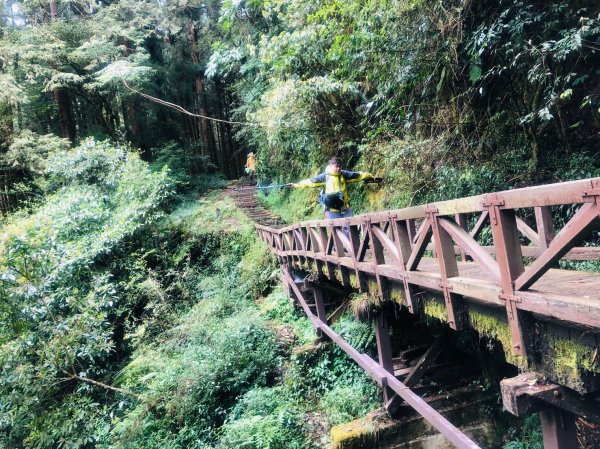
(386, 379)
(320, 306)
(479, 225)
(544, 224)
(427, 359)
(470, 247)
(528, 232)
(423, 238)
(558, 429)
(384, 355)
(387, 243)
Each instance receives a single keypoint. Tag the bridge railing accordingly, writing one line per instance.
(391, 245)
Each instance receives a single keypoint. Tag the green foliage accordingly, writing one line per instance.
(345, 403)
(443, 99)
(277, 307)
(314, 372)
(29, 151)
(219, 350)
(62, 302)
(292, 116)
(531, 435)
(264, 419)
(293, 205)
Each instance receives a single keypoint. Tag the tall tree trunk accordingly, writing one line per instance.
(135, 130)
(65, 115)
(233, 163)
(208, 147)
(4, 199)
(208, 140)
(61, 95)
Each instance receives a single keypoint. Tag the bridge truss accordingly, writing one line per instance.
(507, 251)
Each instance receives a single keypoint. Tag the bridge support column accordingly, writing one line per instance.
(384, 353)
(320, 306)
(558, 428)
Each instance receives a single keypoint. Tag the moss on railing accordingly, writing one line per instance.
(495, 328)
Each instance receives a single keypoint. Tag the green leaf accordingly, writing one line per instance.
(441, 81)
(475, 74)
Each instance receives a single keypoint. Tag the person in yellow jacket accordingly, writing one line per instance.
(334, 196)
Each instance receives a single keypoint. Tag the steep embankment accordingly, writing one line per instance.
(239, 366)
(131, 321)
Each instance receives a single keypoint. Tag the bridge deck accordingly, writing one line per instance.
(574, 290)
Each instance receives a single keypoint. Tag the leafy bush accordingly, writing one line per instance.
(62, 309)
(344, 403)
(531, 435)
(30, 151)
(264, 419)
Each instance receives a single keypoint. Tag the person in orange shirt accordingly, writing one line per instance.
(250, 167)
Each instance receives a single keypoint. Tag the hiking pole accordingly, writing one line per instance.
(276, 186)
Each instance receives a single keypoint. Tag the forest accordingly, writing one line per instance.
(138, 309)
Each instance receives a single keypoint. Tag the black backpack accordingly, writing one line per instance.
(332, 200)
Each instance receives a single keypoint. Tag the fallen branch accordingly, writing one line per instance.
(103, 385)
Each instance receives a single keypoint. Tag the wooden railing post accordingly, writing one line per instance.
(338, 250)
(461, 220)
(412, 231)
(545, 227)
(510, 262)
(378, 258)
(403, 239)
(448, 268)
(355, 244)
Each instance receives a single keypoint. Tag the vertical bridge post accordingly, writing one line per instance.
(510, 262)
(558, 428)
(384, 353)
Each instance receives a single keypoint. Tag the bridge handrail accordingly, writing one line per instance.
(389, 246)
(570, 192)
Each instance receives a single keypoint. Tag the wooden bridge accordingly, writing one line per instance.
(518, 255)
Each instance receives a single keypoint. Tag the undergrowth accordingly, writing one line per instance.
(133, 317)
(224, 374)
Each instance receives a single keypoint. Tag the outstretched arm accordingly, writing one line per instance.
(317, 181)
(356, 176)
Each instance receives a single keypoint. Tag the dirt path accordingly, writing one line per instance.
(245, 197)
